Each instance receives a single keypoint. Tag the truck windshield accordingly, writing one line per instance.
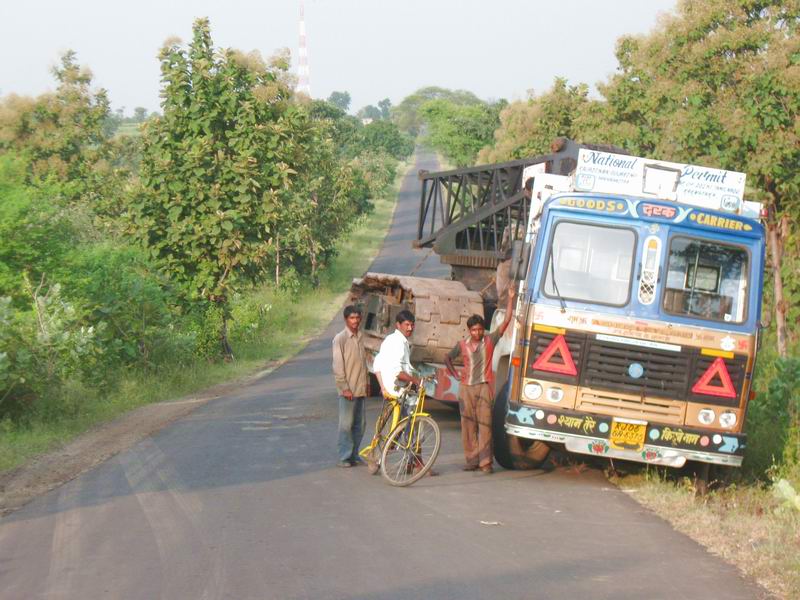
(590, 263)
(706, 280)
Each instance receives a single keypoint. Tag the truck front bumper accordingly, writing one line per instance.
(666, 445)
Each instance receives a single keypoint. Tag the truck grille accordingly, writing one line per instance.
(607, 365)
(665, 373)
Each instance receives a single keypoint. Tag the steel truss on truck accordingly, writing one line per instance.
(470, 216)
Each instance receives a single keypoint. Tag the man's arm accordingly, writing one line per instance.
(408, 378)
(509, 310)
(448, 360)
(338, 370)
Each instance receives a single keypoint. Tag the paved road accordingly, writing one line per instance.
(242, 500)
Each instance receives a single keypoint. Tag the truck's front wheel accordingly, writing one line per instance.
(511, 451)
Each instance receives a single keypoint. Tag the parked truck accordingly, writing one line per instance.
(637, 318)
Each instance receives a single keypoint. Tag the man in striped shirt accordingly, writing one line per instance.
(476, 392)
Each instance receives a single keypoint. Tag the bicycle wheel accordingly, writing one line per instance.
(405, 461)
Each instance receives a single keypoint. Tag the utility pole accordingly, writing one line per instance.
(303, 72)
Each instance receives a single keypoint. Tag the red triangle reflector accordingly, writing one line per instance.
(717, 369)
(545, 362)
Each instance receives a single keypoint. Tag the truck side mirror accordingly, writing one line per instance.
(520, 253)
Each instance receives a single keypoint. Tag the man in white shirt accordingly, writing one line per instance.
(392, 364)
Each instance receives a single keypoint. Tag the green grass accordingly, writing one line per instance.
(291, 321)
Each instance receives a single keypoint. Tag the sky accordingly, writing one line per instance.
(373, 49)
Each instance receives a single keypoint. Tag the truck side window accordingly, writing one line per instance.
(707, 280)
(591, 263)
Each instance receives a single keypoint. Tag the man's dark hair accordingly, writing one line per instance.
(351, 310)
(475, 320)
(404, 315)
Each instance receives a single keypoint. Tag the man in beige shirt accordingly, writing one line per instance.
(351, 375)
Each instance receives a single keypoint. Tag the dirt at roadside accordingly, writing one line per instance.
(19, 486)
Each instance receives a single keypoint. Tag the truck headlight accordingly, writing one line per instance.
(706, 416)
(727, 419)
(555, 394)
(532, 391)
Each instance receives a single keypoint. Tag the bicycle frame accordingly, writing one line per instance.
(395, 405)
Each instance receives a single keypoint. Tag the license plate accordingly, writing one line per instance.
(627, 434)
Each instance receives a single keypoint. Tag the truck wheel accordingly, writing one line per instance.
(510, 451)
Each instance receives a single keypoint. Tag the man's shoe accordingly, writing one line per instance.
(344, 464)
(470, 468)
(358, 462)
(487, 470)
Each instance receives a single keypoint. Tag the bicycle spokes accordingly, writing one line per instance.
(410, 451)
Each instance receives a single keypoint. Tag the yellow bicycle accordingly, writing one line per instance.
(409, 449)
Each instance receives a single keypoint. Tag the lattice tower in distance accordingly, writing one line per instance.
(303, 72)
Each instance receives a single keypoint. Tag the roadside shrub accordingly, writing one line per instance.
(773, 420)
(250, 315)
(206, 330)
(40, 349)
(34, 234)
(119, 288)
(291, 282)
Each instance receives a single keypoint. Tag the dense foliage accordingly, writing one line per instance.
(528, 128)
(407, 114)
(459, 131)
(124, 254)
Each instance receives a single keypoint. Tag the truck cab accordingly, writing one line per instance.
(639, 293)
(639, 316)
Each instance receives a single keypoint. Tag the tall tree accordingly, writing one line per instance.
(340, 99)
(385, 107)
(63, 134)
(460, 131)
(384, 136)
(213, 168)
(528, 127)
(407, 113)
(718, 83)
(370, 112)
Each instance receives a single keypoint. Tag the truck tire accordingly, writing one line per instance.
(510, 451)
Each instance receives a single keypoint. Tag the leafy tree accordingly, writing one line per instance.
(384, 136)
(35, 236)
(371, 112)
(719, 83)
(321, 206)
(385, 107)
(64, 136)
(460, 131)
(345, 130)
(527, 128)
(213, 168)
(407, 114)
(340, 100)
(139, 114)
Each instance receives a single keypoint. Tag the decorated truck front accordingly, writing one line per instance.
(640, 316)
